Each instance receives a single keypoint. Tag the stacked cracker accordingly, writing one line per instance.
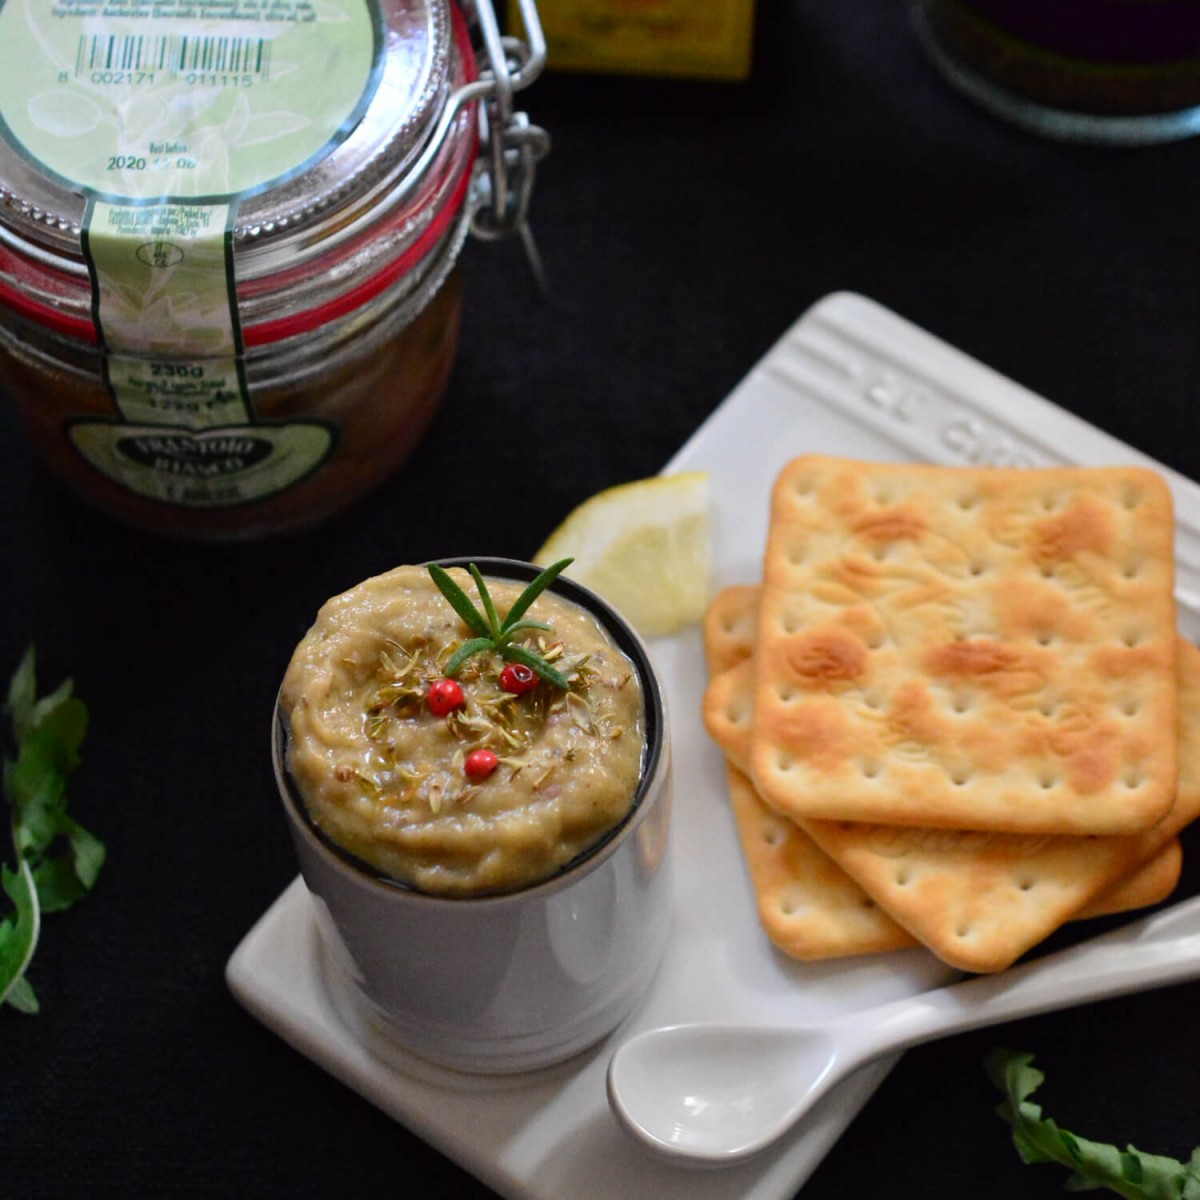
(952, 712)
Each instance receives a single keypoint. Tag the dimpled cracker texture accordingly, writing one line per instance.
(731, 626)
(808, 907)
(968, 648)
(978, 900)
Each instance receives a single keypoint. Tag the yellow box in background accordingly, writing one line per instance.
(702, 39)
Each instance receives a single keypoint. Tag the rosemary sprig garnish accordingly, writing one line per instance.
(491, 631)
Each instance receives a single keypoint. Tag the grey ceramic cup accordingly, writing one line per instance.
(508, 982)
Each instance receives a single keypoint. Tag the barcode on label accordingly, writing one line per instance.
(174, 54)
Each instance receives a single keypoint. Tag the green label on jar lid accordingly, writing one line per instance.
(182, 99)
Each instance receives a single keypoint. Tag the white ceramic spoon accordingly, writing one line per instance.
(711, 1095)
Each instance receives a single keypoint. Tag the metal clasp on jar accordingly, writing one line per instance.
(511, 145)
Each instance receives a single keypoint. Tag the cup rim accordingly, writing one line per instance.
(654, 757)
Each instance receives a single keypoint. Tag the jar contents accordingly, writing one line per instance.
(425, 749)
(379, 395)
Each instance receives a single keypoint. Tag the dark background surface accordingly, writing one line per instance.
(685, 227)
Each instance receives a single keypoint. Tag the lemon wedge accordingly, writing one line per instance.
(645, 547)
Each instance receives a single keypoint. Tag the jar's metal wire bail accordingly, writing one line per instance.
(512, 145)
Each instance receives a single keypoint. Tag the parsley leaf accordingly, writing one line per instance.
(1130, 1173)
(57, 860)
(18, 938)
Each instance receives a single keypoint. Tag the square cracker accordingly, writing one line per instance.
(808, 907)
(968, 648)
(978, 900)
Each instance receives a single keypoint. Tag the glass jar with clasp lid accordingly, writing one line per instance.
(229, 230)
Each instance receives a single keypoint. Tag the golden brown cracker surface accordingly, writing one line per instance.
(728, 709)
(967, 648)
(1003, 892)
(981, 899)
(1151, 883)
(808, 907)
(731, 626)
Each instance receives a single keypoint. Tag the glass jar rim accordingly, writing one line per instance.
(399, 107)
(265, 333)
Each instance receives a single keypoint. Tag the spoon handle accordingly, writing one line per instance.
(1158, 950)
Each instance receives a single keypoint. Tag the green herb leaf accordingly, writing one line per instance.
(535, 662)
(37, 781)
(459, 601)
(533, 591)
(465, 651)
(68, 876)
(22, 695)
(488, 607)
(57, 860)
(494, 634)
(22, 996)
(18, 937)
(1129, 1173)
(520, 625)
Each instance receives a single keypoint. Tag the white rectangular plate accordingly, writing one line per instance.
(849, 378)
